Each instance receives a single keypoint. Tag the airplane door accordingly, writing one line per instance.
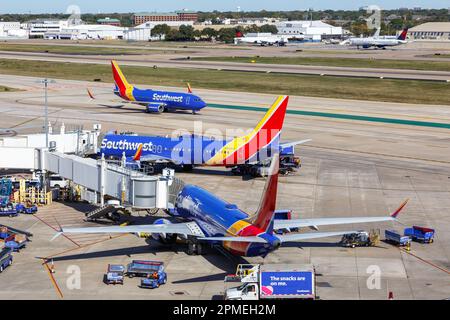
(188, 99)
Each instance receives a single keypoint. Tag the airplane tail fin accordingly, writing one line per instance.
(242, 149)
(402, 35)
(121, 82)
(138, 153)
(264, 216)
(189, 89)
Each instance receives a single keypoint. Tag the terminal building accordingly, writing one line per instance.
(430, 31)
(87, 31)
(39, 27)
(315, 30)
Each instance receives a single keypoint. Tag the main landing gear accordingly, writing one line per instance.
(194, 248)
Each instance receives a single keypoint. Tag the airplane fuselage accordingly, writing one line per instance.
(157, 101)
(375, 42)
(217, 217)
(184, 150)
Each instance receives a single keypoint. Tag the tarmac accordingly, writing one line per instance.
(351, 168)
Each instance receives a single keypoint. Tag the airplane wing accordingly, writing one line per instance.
(302, 223)
(292, 144)
(186, 229)
(283, 238)
(311, 235)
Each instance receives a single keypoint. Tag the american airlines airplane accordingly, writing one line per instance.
(376, 41)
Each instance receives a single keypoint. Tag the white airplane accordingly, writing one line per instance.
(262, 39)
(377, 41)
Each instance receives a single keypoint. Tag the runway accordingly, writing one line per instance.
(351, 168)
(180, 60)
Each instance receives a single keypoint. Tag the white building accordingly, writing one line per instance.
(143, 32)
(87, 31)
(431, 31)
(12, 30)
(38, 28)
(315, 30)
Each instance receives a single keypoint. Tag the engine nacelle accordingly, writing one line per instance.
(165, 238)
(155, 108)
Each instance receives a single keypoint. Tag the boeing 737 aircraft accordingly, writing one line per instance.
(377, 41)
(207, 219)
(154, 101)
(188, 150)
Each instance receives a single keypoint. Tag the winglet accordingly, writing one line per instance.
(57, 235)
(138, 154)
(396, 212)
(90, 94)
(189, 89)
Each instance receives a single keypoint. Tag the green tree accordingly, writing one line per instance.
(209, 33)
(269, 28)
(160, 30)
(227, 35)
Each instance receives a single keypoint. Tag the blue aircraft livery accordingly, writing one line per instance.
(155, 101)
(258, 145)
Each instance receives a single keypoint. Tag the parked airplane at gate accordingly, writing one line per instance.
(377, 41)
(208, 219)
(188, 150)
(154, 101)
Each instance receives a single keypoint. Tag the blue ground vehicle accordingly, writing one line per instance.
(8, 211)
(421, 234)
(15, 246)
(115, 274)
(24, 209)
(153, 271)
(396, 238)
(6, 259)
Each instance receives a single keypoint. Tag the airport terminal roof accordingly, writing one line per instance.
(432, 27)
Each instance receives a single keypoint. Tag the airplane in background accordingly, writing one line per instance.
(262, 39)
(377, 41)
(189, 150)
(154, 101)
(209, 220)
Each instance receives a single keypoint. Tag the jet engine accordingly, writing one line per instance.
(155, 108)
(164, 238)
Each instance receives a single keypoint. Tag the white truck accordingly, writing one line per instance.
(272, 281)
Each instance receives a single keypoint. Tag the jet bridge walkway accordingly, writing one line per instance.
(132, 188)
(96, 177)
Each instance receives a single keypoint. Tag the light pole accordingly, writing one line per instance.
(46, 83)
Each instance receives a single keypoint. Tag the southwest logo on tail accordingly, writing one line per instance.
(241, 149)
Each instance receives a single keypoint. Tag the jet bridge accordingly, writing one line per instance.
(131, 187)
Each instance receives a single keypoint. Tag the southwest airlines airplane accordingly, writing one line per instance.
(206, 219)
(187, 150)
(154, 101)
